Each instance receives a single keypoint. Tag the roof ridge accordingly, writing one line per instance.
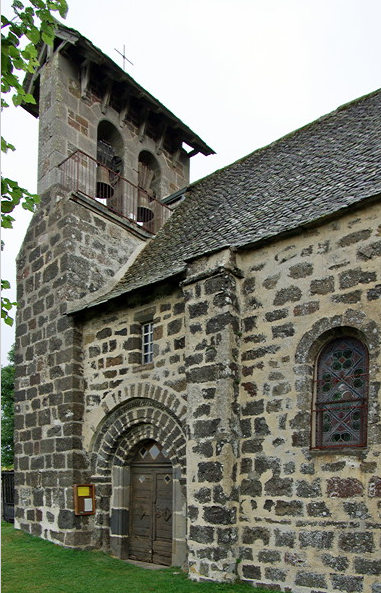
(322, 118)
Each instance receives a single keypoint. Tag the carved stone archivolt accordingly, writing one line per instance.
(132, 422)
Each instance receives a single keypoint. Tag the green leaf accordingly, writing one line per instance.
(13, 51)
(29, 99)
(48, 38)
(34, 35)
(5, 146)
(32, 66)
(47, 27)
(7, 221)
(19, 64)
(16, 195)
(11, 183)
(4, 53)
(29, 52)
(14, 35)
(11, 79)
(6, 306)
(7, 206)
(8, 320)
(4, 185)
(17, 100)
(18, 4)
(63, 8)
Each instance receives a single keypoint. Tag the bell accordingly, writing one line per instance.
(144, 212)
(104, 188)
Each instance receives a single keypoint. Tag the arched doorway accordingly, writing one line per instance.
(116, 442)
(151, 505)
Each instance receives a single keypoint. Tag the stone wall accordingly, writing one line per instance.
(228, 394)
(235, 352)
(212, 372)
(69, 251)
(309, 519)
(127, 402)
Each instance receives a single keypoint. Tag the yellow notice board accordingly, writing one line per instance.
(84, 499)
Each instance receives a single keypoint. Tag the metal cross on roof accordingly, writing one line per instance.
(123, 55)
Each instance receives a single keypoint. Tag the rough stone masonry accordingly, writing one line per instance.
(261, 267)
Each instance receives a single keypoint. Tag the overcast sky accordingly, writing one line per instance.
(239, 73)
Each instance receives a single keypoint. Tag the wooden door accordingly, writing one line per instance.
(151, 509)
(162, 523)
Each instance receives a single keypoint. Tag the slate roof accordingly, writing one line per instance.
(81, 49)
(322, 168)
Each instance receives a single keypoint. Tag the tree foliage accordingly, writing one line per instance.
(30, 25)
(7, 410)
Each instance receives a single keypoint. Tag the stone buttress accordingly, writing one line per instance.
(212, 319)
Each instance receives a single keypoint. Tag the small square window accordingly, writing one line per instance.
(147, 335)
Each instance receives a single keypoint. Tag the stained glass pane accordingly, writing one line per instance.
(151, 452)
(342, 384)
(154, 451)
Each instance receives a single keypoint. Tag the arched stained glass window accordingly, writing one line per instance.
(341, 394)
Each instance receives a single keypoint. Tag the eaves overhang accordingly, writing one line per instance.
(70, 42)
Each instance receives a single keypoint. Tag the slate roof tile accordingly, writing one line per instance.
(315, 171)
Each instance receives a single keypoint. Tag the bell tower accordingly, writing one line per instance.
(99, 130)
(109, 153)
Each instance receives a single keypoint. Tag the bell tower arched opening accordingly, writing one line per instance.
(110, 150)
(149, 179)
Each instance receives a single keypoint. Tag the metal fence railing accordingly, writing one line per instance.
(81, 173)
(8, 495)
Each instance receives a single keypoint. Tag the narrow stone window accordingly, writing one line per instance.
(147, 339)
(342, 377)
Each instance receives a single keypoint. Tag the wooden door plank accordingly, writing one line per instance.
(151, 506)
(141, 514)
(162, 539)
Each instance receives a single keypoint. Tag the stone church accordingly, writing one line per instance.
(198, 365)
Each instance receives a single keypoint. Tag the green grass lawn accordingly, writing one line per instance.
(30, 564)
